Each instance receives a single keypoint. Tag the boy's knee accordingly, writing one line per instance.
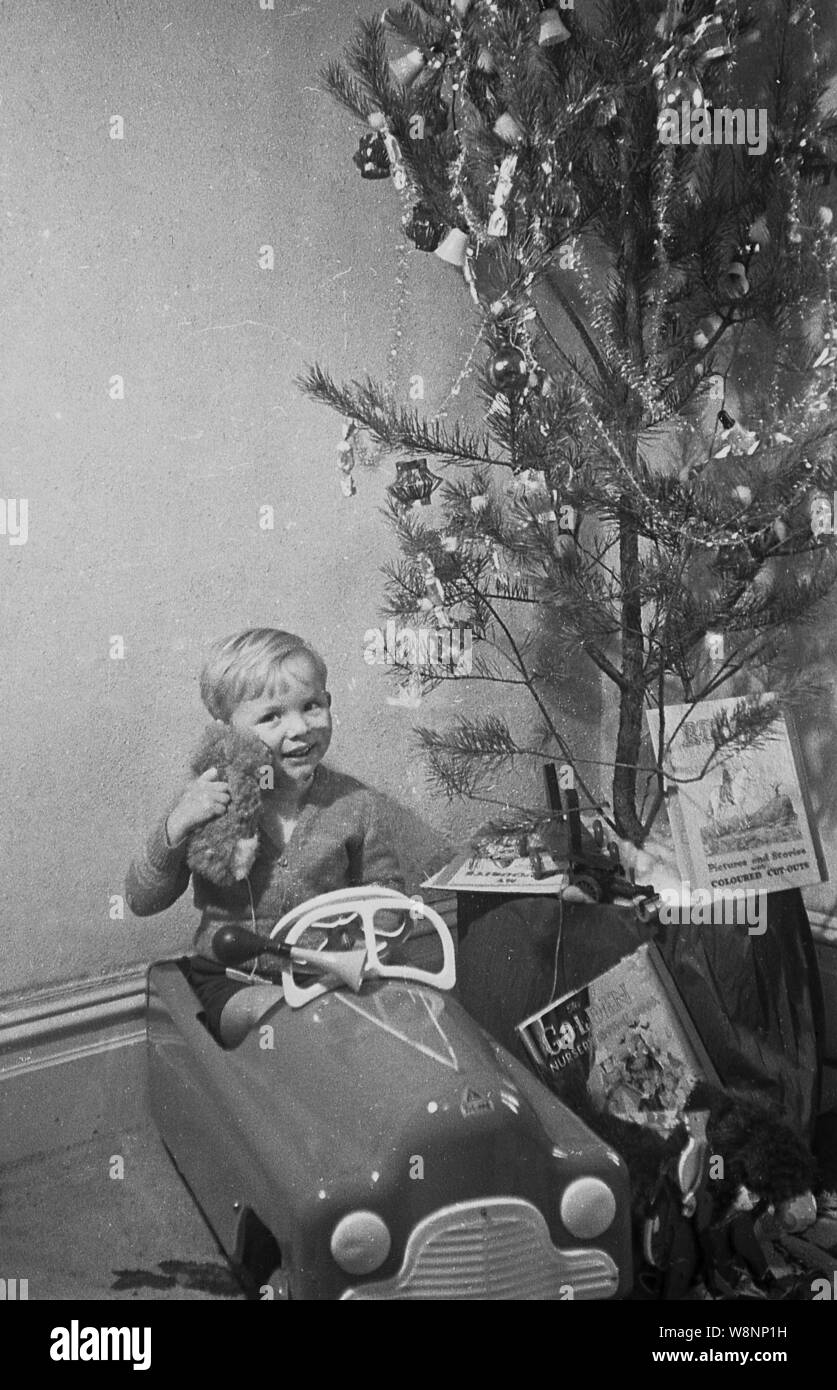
(245, 1010)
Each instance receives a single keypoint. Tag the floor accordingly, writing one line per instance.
(76, 1229)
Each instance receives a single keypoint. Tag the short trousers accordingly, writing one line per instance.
(213, 987)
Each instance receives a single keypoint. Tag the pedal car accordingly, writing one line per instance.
(367, 1140)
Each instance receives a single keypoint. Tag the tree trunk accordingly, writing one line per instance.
(632, 698)
(632, 695)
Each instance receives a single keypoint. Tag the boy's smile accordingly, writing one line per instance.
(293, 718)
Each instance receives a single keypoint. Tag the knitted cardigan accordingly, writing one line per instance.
(340, 839)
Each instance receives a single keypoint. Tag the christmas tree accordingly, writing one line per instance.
(636, 199)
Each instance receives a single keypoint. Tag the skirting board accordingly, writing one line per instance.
(72, 1065)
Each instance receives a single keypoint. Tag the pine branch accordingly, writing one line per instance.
(745, 724)
(367, 55)
(346, 90)
(413, 26)
(489, 739)
(371, 404)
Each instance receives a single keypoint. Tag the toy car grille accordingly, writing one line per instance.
(499, 1248)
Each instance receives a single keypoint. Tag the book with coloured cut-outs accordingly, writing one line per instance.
(741, 819)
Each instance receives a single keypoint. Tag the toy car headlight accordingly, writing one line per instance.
(587, 1207)
(360, 1242)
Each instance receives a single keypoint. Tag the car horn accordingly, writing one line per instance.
(234, 945)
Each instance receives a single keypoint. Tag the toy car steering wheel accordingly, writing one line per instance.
(364, 901)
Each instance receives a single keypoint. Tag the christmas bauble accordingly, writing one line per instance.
(424, 228)
(710, 41)
(552, 29)
(453, 247)
(679, 89)
(405, 70)
(508, 128)
(414, 483)
(734, 280)
(706, 330)
(372, 159)
(759, 232)
(822, 518)
(508, 371)
(566, 551)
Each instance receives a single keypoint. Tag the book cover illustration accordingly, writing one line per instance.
(501, 858)
(746, 821)
(627, 1037)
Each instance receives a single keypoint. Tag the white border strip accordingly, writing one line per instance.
(76, 1008)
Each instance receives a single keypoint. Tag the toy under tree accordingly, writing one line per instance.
(653, 476)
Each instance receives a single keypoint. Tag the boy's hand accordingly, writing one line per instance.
(203, 800)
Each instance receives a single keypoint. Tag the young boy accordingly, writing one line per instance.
(320, 829)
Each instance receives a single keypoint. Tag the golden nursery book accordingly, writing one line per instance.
(628, 1037)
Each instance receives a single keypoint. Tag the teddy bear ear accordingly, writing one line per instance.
(211, 746)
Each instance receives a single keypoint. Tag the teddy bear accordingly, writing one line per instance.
(224, 849)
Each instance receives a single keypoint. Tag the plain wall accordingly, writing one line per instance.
(139, 257)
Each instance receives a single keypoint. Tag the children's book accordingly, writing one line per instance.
(628, 1037)
(746, 821)
(504, 859)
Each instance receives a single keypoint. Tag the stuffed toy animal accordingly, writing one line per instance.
(760, 1152)
(224, 849)
(765, 1167)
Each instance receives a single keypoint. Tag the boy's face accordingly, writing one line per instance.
(293, 718)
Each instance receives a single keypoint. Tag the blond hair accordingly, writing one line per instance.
(241, 667)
